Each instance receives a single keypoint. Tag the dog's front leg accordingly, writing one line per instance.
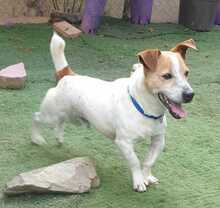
(157, 145)
(128, 151)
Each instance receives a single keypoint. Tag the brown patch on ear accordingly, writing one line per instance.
(183, 46)
(64, 72)
(149, 58)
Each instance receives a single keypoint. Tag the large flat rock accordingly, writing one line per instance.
(13, 77)
(72, 176)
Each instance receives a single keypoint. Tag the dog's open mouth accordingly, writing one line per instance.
(174, 108)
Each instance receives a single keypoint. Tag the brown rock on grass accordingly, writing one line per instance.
(67, 30)
(77, 175)
(13, 77)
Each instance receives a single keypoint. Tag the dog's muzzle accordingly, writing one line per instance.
(174, 108)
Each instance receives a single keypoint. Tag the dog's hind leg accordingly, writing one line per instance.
(157, 145)
(59, 132)
(36, 137)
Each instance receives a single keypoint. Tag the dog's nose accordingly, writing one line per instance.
(188, 96)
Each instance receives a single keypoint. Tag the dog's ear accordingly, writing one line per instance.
(149, 58)
(183, 46)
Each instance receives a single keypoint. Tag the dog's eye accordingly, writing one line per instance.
(167, 76)
(186, 74)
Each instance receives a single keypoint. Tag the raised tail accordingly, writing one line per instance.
(57, 47)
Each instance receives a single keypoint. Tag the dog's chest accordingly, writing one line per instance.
(149, 127)
(134, 125)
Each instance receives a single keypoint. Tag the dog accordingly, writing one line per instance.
(123, 110)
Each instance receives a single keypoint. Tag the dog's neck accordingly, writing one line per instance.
(148, 101)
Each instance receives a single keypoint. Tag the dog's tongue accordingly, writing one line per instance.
(178, 110)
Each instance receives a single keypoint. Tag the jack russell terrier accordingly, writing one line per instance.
(123, 110)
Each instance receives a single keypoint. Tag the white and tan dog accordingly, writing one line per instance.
(123, 110)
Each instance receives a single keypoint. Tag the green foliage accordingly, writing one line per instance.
(189, 167)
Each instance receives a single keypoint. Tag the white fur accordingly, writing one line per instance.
(107, 106)
(57, 46)
(181, 84)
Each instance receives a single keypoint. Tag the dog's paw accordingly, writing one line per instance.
(38, 140)
(150, 180)
(141, 187)
(60, 141)
(139, 183)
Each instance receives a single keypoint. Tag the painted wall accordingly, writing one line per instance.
(16, 8)
(163, 10)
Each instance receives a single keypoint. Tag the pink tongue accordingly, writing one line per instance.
(177, 109)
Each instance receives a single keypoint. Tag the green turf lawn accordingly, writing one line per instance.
(189, 168)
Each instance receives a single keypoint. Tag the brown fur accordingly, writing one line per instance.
(183, 46)
(63, 72)
(149, 58)
(154, 80)
(156, 64)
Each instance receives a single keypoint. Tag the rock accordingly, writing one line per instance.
(13, 77)
(66, 29)
(77, 175)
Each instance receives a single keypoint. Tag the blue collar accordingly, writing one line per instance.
(141, 110)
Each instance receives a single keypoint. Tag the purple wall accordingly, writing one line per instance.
(92, 15)
(140, 13)
(217, 19)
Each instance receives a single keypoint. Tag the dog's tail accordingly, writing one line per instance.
(57, 46)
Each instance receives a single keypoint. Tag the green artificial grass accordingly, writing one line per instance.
(189, 167)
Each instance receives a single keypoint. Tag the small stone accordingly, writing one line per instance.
(13, 77)
(66, 29)
(77, 175)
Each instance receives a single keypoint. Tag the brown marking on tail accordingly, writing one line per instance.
(64, 72)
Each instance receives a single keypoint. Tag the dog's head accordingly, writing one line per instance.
(166, 76)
